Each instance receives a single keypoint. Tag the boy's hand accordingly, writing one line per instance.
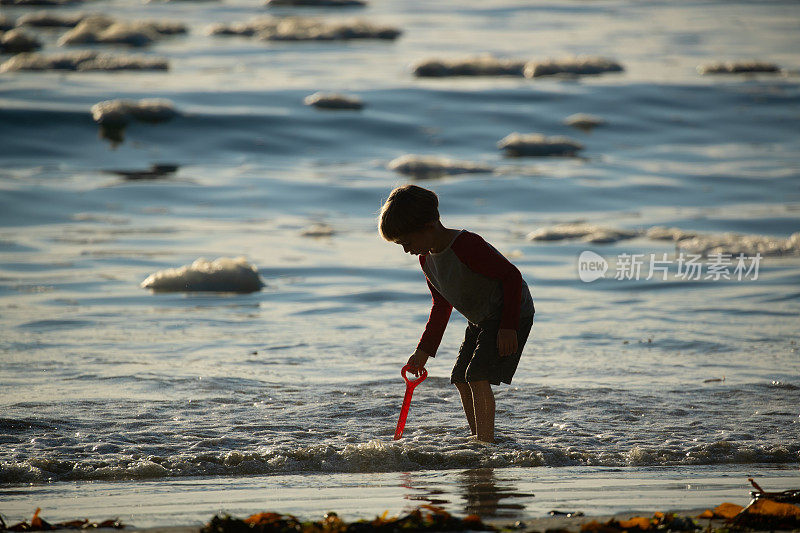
(506, 342)
(417, 362)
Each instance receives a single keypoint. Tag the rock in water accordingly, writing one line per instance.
(586, 232)
(224, 274)
(100, 29)
(315, 3)
(476, 66)
(537, 145)
(584, 122)
(17, 41)
(306, 29)
(46, 19)
(333, 101)
(739, 67)
(117, 113)
(7, 23)
(577, 66)
(422, 167)
(81, 61)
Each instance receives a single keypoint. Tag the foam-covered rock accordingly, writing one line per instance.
(315, 3)
(318, 231)
(245, 29)
(584, 122)
(586, 232)
(739, 67)
(735, 244)
(705, 244)
(660, 233)
(36, 61)
(306, 29)
(113, 62)
(537, 145)
(105, 31)
(333, 101)
(6, 23)
(576, 66)
(81, 61)
(428, 166)
(43, 3)
(118, 113)
(224, 274)
(476, 66)
(16, 41)
(46, 19)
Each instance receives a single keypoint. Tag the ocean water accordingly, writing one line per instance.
(107, 389)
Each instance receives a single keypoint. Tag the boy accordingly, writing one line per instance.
(465, 272)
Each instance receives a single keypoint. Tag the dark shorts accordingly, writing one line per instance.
(478, 359)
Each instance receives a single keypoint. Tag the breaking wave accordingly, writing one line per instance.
(378, 456)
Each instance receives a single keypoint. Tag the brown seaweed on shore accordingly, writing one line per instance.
(766, 510)
(39, 524)
(424, 518)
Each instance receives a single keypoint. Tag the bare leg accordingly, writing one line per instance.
(483, 402)
(466, 402)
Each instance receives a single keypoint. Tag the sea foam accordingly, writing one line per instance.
(690, 241)
(224, 274)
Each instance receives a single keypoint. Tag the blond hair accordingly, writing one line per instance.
(409, 209)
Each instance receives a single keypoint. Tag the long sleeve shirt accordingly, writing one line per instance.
(475, 279)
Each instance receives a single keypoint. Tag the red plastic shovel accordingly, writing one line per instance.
(401, 422)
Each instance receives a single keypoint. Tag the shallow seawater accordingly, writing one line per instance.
(297, 386)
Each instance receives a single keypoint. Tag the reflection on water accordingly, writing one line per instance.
(486, 495)
(480, 490)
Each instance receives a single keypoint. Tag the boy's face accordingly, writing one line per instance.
(416, 243)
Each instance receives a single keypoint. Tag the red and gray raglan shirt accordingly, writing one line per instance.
(475, 279)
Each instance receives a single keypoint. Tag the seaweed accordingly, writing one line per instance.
(424, 518)
(39, 524)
